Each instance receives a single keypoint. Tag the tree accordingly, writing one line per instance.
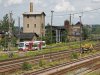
(4, 24)
(65, 36)
(85, 32)
(4, 27)
(47, 37)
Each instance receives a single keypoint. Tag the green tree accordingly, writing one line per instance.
(85, 32)
(47, 37)
(65, 36)
(4, 24)
(97, 30)
(4, 27)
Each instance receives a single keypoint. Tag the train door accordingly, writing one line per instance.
(30, 47)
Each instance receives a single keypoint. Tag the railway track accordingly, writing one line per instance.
(88, 69)
(39, 72)
(14, 64)
(37, 57)
(92, 69)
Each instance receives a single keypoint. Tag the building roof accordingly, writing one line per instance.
(56, 27)
(26, 35)
(34, 13)
(79, 23)
(59, 27)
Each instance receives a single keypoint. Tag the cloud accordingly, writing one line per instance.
(12, 2)
(91, 17)
(96, 0)
(36, 1)
(0, 1)
(64, 6)
(88, 9)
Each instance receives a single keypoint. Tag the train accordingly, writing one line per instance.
(31, 45)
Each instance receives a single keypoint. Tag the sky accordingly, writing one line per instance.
(61, 8)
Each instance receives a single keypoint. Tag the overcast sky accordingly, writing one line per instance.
(62, 9)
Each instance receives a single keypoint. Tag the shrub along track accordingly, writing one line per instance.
(15, 64)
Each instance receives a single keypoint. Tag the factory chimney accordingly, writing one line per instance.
(31, 6)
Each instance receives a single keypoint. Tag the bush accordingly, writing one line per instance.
(26, 66)
(42, 63)
(74, 55)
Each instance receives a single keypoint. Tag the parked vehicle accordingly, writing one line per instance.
(87, 47)
(31, 45)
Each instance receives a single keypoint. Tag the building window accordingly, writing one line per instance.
(27, 16)
(34, 25)
(35, 16)
(27, 25)
(42, 26)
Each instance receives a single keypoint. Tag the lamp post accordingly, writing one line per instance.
(51, 33)
(51, 23)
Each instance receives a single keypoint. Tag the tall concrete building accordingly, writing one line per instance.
(34, 22)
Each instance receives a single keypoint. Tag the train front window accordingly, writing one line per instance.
(21, 44)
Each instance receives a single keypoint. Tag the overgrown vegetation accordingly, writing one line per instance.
(94, 73)
(56, 47)
(45, 64)
(26, 66)
(4, 28)
(74, 55)
(42, 63)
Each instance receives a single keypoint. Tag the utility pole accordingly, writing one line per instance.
(19, 27)
(51, 34)
(51, 24)
(10, 30)
(69, 29)
(80, 35)
(70, 18)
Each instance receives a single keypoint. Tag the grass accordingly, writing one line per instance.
(5, 56)
(61, 47)
(97, 72)
(45, 64)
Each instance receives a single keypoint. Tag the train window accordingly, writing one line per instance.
(21, 45)
(44, 43)
(34, 45)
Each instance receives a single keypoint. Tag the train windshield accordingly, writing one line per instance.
(21, 44)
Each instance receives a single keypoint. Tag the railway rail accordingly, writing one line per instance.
(14, 64)
(89, 69)
(92, 69)
(39, 72)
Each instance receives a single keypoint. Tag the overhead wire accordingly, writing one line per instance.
(81, 12)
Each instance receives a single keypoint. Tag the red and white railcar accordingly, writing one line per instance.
(31, 45)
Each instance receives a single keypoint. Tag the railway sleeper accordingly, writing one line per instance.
(5, 70)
